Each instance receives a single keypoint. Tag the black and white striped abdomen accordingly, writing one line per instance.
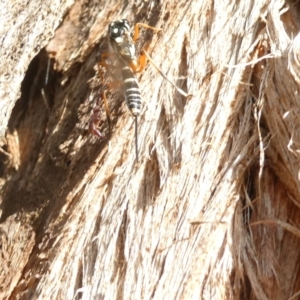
(132, 91)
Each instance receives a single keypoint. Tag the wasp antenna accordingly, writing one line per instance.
(136, 138)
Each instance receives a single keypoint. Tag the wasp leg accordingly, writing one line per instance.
(137, 30)
(142, 58)
(141, 63)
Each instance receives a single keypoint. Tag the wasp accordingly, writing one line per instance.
(122, 41)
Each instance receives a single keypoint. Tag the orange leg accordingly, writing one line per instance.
(142, 58)
(141, 63)
(137, 31)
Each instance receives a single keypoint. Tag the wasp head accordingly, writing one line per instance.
(121, 40)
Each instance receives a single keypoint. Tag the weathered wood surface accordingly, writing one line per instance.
(211, 210)
(25, 28)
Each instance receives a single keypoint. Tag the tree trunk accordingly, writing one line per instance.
(210, 210)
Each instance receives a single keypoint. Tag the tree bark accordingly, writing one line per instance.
(210, 211)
